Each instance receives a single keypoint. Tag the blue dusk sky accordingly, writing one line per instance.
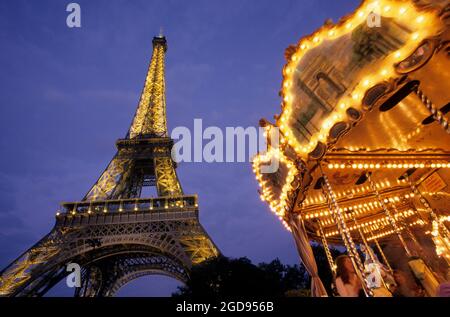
(67, 94)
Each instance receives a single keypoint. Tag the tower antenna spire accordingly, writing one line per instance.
(161, 33)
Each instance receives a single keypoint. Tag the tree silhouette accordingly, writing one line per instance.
(228, 277)
(222, 277)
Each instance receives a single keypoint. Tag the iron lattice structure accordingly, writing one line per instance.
(113, 233)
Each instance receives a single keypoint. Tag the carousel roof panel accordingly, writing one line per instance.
(331, 70)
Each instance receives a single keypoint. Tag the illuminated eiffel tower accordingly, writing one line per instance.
(113, 233)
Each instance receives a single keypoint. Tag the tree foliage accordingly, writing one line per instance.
(228, 277)
(222, 277)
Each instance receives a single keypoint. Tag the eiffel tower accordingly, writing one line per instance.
(112, 233)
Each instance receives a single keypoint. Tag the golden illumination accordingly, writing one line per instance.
(277, 204)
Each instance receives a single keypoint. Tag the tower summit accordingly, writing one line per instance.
(150, 118)
(114, 233)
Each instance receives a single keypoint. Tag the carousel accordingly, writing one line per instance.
(362, 145)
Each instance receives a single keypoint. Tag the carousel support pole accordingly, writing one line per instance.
(330, 198)
(388, 214)
(363, 238)
(427, 205)
(327, 249)
(385, 260)
(435, 112)
(442, 233)
(407, 229)
(420, 269)
(370, 251)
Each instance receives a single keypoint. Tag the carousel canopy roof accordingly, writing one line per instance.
(353, 105)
